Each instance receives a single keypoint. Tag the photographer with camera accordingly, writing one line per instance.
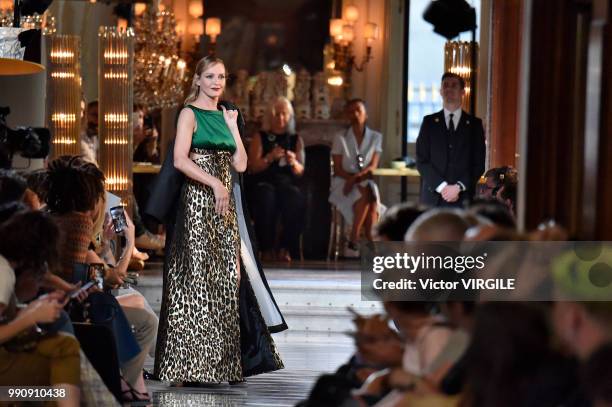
(30, 142)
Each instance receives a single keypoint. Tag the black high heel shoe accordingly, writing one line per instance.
(130, 395)
(352, 245)
(242, 382)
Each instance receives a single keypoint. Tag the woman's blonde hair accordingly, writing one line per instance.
(266, 124)
(202, 65)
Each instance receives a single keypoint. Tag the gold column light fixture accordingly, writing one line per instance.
(64, 93)
(115, 65)
(342, 33)
(458, 60)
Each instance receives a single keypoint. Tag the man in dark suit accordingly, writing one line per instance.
(450, 149)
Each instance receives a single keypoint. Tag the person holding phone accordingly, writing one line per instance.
(27, 357)
(201, 322)
(276, 162)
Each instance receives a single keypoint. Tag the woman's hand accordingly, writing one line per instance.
(221, 198)
(231, 118)
(349, 183)
(81, 294)
(114, 277)
(400, 379)
(43, 310)
(277, 153)
(291, 157)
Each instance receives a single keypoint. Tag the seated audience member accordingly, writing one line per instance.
(76, 188)
(90, 143)
(459, 314)
(89, 149)
(597, 377)
(492, 183)
(276, 161)
(146, 138)
(356, 153)
(36, 194)
(508, 191)
(12, 186)
(496, 181)
(583, 326)
(28, 358)
(26, 189)
(438, 225)
(495, 211)
(426, 337)
(396, 221)
(100, 252)
(377, 347)
(10, 208)
(511, 361)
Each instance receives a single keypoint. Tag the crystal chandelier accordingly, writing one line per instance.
(159, 72)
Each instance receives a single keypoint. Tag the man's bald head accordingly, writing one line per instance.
(438, 225)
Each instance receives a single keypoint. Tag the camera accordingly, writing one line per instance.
(31, 142)
(118, 216)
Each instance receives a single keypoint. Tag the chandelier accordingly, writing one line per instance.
(159, 72)
(342, 33)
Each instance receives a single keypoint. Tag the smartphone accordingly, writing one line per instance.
(96, 274)
(86, 286)
(118, 216)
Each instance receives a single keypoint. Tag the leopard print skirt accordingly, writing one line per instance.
(203, 327)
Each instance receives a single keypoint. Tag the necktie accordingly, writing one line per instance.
(451, 125)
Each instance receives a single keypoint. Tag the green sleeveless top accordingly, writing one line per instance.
(211, 131)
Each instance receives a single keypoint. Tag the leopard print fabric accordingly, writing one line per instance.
(203, 328)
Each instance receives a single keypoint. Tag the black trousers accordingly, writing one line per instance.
(271, 200)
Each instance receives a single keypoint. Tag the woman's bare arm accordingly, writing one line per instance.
(182, 146)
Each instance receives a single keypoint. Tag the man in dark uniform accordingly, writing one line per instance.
(450, 149)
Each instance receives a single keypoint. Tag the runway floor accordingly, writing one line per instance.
(306, 355)
(304, 362)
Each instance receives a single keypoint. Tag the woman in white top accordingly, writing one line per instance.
(356, 153)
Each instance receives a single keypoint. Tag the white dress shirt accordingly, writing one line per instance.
(456, 117)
